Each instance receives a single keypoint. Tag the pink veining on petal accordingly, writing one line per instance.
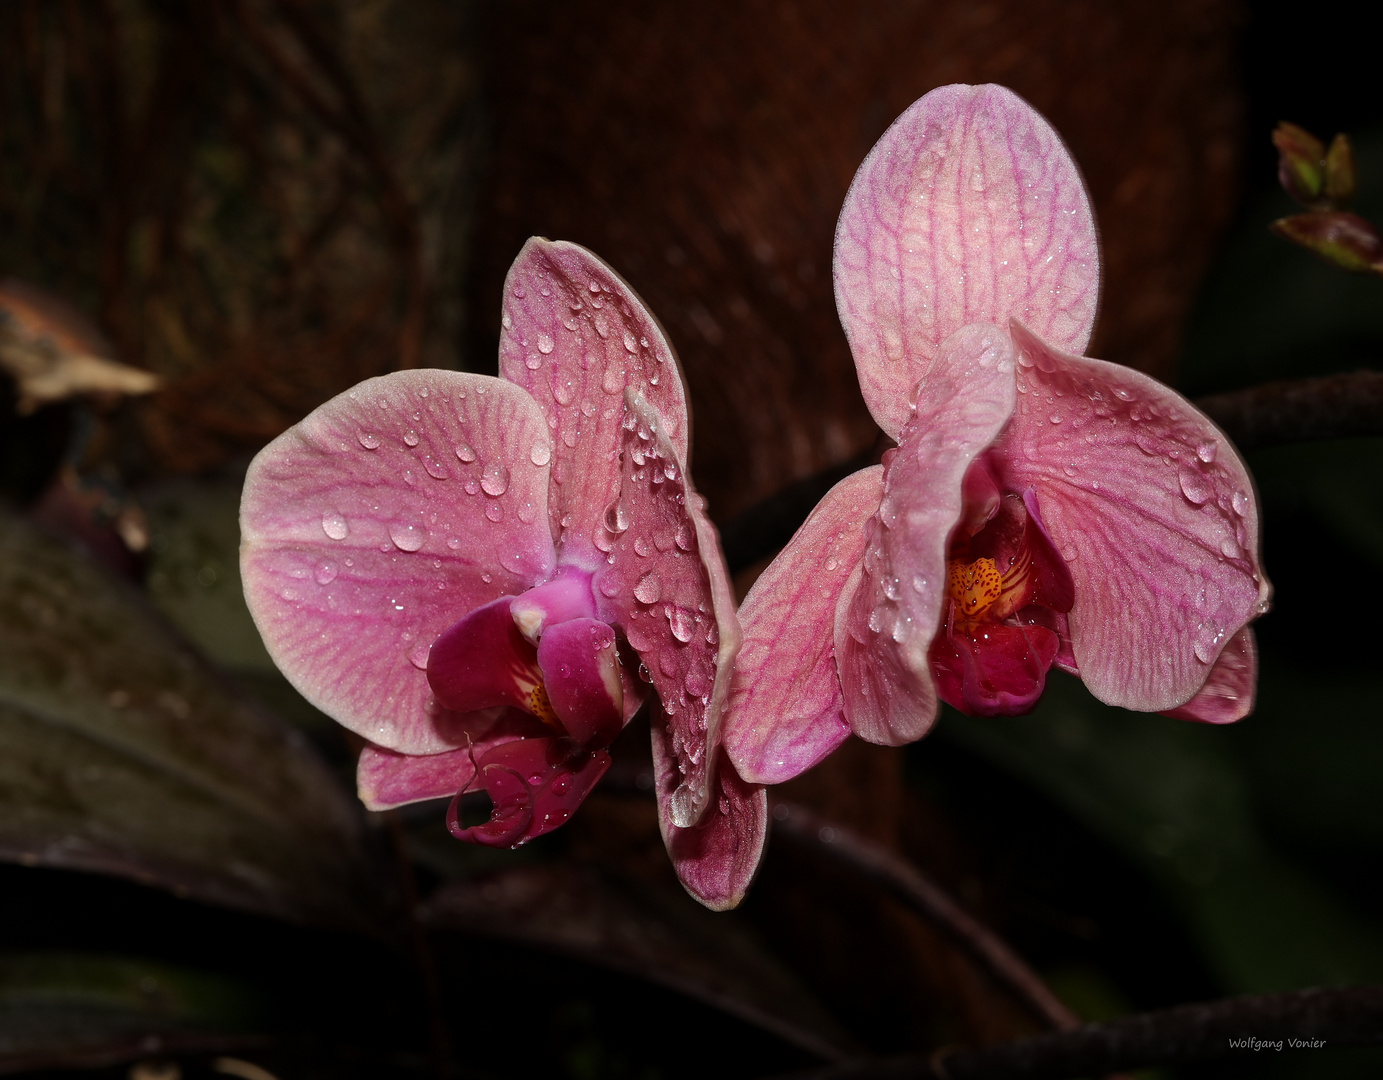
(886, 619)
(968, 210)
(716, 859)
(667, 589)
(1230, 691)
(1154, 512)
(575, 336)
(367, 528)
(785, 711)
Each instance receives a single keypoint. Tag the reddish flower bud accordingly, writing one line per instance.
(1300, 163)
(1339, 172)
(1338, 237)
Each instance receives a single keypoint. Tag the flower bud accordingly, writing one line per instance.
(1339, 237)
(1300, 163)
(1339, 173)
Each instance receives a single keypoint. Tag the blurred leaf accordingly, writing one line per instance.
(1170, 796)
(644, 931)
(122, 752)
(70, 1009)
(1270, 310)
(194, 568)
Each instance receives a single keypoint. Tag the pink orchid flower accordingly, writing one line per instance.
(480, 575)
(1040, 508)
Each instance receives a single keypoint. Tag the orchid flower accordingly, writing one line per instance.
(480, 576)
(1040, 508)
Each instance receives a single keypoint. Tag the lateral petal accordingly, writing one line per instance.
(888, 616)
(575, 336)
(666, 587)
(1232, 688)
(1154, 512)
(369, 527)
(785, 711)
(968, 210)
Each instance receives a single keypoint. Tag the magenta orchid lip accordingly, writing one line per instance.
(482, 576)
(1041, 508)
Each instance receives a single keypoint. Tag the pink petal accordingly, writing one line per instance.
(1153, 511)
(428, 480)
(575, 335)
(968, 210)
(667, 589)
(581, 669)
(1000, 671)
(1228, 694)
(535, 786)
(386, 778)
(717, 858)
(888, 615)
(786, 709)
(482, 661)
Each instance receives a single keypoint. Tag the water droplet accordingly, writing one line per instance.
(613, 382)
(545, 344)
(1056, 418)
(601, 323)
(594, 286)
(453, 542)
(506, 321)
(1240, 502)
(435, 468)
(832, 562)
(409, 478)
(465, 453)
(541, 454)
(325, 573)
(642, 546)
(368, 440)
(696, 683)
(410, 438)
(1195, 486)
(631, 343)
(686, 536)
(493, 512)
(289, 594)
(1069, 468)
(616, 518)
(472, 486)
(495, 479)
(533, 363)
(1206, 451)
(334, 525)
(1230, 548)
(418, 656)
(919, 583)
(648, 590)
(681, 624)
(407, 537)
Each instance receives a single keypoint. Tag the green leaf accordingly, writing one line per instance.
(122, 752)
(70, 1009)
(1171, 797)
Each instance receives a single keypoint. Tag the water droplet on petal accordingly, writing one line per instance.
(465, 453)
(540, 455)
(368, 440)
(435, 468)
(616, 517)
(1195, 486)
(686, 536)
(696, 683)
(642, 546)
(493, 512)
(681, 624)
(334, 525)
(648, 590)
(495, 479)
(1206, 451)
(831, 563)
(410, 438)
(631, 343)
(418, 656)
(1240, 502)
(325, 573)
(1230, 548)
(545, 344)
(406, 536)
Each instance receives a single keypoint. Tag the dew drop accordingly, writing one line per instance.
(465, 453)
(594, 286)
(609, 585)
(563, 390)
(493, 512)
(613, 382)
(325, 572)
(407, 537)
(418, 657)
(696, 683)
(409, 478)
(472, 486)
(495, 479)
(541, 454)
(1229, 548)
(831, 563)
(1240, 502)
(681, 624)
(616, 518)
(545, 344)
(1206, 451)
(369, 440)
(631, 343)
(1195, 487)
(642, 546)
(435, 468)
(648, 590)
(410, 438)
(453, 542)
(334, 525)
(686, 536)
(533, 363)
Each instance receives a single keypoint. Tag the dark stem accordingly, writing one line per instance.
(1316, 1019)
(919, 892)
(1300, 410)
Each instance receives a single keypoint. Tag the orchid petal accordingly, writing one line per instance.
(785, 711)
(581, 669)
(575, 336)
(386, 779)
(886, 619)
(370, 524)
(535, 786)
(1001, 671)
(1229, 693)
(968, 210)
(716, 859)
(1154, 512)
(667, 589)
